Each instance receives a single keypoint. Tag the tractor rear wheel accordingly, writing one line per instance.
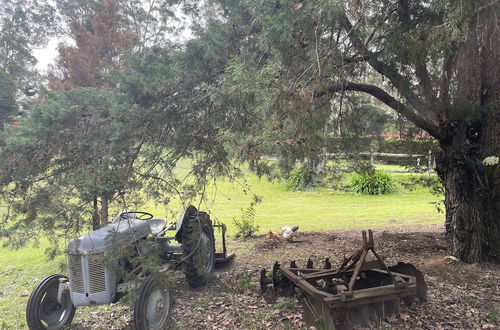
(198, 248)
(44, 311)
(152, 306)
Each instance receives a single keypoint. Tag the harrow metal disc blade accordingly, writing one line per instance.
(409, 269)
(264, 280)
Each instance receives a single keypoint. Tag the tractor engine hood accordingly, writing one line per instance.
(124, 231)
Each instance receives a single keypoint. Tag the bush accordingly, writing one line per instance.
(409, 146)
(301, 179)
(295, 179)
(372, 183)
(245, 223)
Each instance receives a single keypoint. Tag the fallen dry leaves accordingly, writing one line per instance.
(460, 296)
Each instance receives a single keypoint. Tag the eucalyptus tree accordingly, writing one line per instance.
(292, 64)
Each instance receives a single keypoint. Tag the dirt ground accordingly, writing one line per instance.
(460, 296)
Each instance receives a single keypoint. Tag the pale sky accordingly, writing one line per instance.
(46, 56)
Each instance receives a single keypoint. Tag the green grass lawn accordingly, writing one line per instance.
(20, 271)
(320, 210)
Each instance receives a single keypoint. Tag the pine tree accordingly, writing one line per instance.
(292, 66)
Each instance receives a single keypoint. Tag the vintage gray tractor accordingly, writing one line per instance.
(94, 280)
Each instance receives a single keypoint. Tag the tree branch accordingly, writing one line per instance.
(386, 98)
(402, 85)
(424, 80)
(444, 87)
(424, 115)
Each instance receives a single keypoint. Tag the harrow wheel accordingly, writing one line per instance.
(44, 311)
(152, 306)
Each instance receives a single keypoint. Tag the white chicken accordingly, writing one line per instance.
(289, 232)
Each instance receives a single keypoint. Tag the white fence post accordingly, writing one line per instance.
(429, 163)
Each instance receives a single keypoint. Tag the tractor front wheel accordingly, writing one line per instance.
(198, 248)
(44, 311)
(152, 306)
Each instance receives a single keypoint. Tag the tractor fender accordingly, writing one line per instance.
(189, 211)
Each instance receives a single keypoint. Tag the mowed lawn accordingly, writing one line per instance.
(20, 272)
(320, 210)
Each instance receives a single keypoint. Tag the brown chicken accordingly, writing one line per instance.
(273, 235)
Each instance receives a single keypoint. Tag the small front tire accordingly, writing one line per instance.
(153, 305)
(43, 311)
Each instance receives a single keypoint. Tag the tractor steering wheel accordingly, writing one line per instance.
(142, 215)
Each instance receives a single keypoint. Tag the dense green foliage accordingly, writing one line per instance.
(257, 80)
(295, 179)
(8, 104)
(66, 151)
(372, 183)
(81, 153)
(24, 26)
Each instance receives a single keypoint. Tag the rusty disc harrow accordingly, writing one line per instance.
(360, 292)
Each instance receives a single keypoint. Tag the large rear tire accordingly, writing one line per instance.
(153, 305)
(43, 311)
(198, 247)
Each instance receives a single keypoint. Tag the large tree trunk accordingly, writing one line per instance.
(473, 132)
(104, 211)
(472, 220)
(95, 214)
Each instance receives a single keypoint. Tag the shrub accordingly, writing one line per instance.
(372, 183)
(295, 179)
(245, 223)
(300, 179)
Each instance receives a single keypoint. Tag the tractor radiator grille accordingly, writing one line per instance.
(76, 273)
(97, 277)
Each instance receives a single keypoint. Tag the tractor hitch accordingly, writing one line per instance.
(221, 257)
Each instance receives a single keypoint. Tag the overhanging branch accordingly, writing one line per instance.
(386, 98)
(389, 71)
(424, 79)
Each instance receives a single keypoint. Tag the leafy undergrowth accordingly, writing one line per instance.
(460, 296)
